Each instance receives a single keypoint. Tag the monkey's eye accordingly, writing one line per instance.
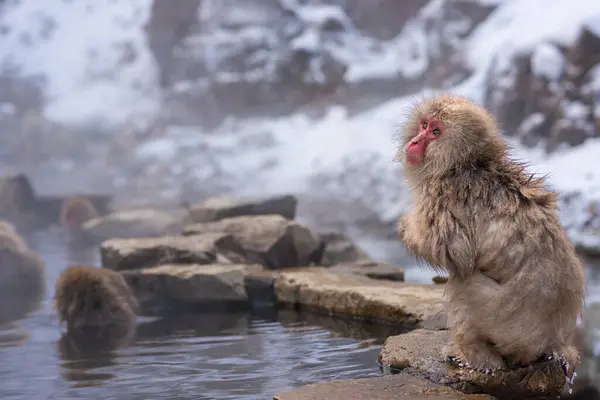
(424, 125)
(436, 132)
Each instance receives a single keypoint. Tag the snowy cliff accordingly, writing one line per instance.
(100, 63)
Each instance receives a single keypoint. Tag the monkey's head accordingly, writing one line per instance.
(75, 212)
(85, 299)
(447, 131)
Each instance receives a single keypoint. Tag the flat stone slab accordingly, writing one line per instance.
(126, 254)
(418, 353)
(189, 286)
(371, 269)
(358, 296)
(217, 208)
(381, 388)
(135, 223)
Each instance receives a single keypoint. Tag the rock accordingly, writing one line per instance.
(547, 95)
(360, 297)
(340, 249)
(371, 269)
(585, 53)
(382, 388)
(438, 279)
(126, 254)
(418, 353)
(260, 287)
(166, 28)
(218, 208)
(136, 223)
(189, 287)
(269, 240)
(383, 19)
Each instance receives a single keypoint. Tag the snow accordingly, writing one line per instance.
(520, 25)
(78, 48)
(576, 111)
(547, 62)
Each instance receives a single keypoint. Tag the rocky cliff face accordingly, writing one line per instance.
(274, 57)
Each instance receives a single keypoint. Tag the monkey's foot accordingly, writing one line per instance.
(474, 356)
(563, 359)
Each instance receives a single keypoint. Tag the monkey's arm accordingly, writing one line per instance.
(445, 243)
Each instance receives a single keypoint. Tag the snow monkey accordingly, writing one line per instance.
(516, 286)
(75, 211)
(89, 297)
(22, 275)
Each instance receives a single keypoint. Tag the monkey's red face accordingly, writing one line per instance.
(429, 130)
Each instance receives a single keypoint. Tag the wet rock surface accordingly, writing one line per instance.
(126, 254)
(381, 388)
(340, 249)
(359, 297)
(188, 287)
(269, 240)
(418, 353)
(217, 208)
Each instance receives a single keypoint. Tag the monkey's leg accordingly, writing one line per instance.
(468, 349)
(467, 346)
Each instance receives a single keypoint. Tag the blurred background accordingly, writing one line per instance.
(172, 101)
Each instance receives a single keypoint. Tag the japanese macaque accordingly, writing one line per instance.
(9, 236)
(22, 275)
(88, 297)
(515, 287)
(75, 211)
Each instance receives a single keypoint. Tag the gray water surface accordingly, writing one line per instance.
(204, 356)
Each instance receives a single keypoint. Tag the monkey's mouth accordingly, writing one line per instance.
(413, 160)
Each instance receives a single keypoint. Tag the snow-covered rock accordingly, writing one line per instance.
(142, 93)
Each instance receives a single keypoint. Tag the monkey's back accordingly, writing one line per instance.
(537, 284)
(89, 296)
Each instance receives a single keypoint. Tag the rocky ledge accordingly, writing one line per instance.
(382, 388)
(418, 354)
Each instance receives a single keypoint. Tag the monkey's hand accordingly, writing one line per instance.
(411, 235)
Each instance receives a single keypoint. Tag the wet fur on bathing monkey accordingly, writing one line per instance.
(516, 286)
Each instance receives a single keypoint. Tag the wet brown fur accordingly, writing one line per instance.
(9, 236)
(516, 286)
(94, 297)
(22, 275)
(75, 211)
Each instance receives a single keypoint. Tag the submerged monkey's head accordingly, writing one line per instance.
(447, 131)
(76, 211)
(86, 297)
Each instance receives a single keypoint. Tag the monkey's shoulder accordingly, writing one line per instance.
(507, 184)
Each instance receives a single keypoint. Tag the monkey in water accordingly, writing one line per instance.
(9, 236)
(89, 297)
(516, 286)
(75, 211)
(22, 275)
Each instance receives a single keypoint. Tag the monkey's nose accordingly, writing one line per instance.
(414, 140)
